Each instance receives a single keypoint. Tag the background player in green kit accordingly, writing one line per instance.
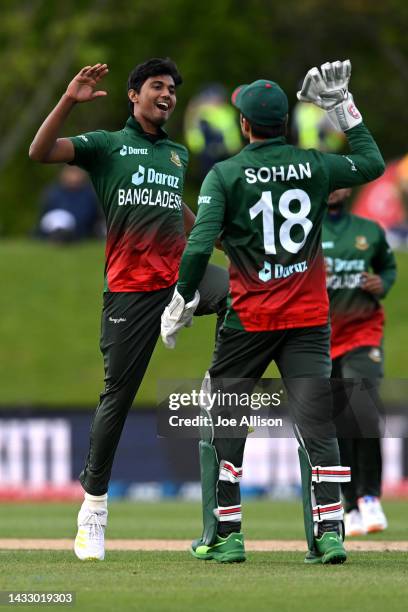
(268, 203)
(360, 271)
(138, 175)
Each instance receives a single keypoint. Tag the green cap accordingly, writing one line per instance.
(261, 102)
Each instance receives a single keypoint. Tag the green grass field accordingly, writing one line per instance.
(49, 328)
(167, 582)
(264, 519)
(170, 581)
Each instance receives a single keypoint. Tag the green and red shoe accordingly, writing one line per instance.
(224, 550)
(329, 549)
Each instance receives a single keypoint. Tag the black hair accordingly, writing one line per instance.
(268, 131)
(152, 67)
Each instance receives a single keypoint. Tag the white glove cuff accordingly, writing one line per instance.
(192, 304)
(345, 115)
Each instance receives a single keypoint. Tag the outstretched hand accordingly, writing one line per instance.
(328, 86)
(82, 87)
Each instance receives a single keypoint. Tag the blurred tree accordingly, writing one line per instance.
(44, 42)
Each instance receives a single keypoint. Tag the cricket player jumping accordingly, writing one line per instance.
(268, 203)
(138, 174)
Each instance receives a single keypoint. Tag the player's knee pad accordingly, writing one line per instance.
(314, 513)
(215, 471)
(207, 430)
(209, 467)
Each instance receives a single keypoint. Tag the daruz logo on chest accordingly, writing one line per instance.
(152, 176)
(279, 271)
(127, 150)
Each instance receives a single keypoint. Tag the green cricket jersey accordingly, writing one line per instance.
(353, 245)
(269, 201)
(140, 185)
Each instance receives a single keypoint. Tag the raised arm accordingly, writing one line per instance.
(46, 147)
(328, 89)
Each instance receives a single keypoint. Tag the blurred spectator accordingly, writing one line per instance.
(312, 129)
(70, 210)
(211, 129)
(386, 201)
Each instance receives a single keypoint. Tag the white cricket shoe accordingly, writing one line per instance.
(353, 524)
(372, 514)
(90, 539)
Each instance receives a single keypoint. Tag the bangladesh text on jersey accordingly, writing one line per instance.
(140, 185)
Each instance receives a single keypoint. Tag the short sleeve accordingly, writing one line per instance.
(91, 149)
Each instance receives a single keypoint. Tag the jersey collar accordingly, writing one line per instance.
(279, 140)
(337, 225)
(134, 126)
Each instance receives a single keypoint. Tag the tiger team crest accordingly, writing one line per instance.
(175, 159)
(361, 243)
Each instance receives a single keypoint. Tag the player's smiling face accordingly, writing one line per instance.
(155, 102)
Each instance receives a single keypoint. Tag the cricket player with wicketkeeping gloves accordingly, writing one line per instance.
(268, 203)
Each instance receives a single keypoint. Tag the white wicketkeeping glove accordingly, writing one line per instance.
(176, 315)
(345, 115)
(328, 89)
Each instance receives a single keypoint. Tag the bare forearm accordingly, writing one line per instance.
(46, 147)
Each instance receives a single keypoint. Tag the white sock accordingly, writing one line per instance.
(96, 502)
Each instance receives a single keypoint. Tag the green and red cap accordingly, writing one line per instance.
(261, 102)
